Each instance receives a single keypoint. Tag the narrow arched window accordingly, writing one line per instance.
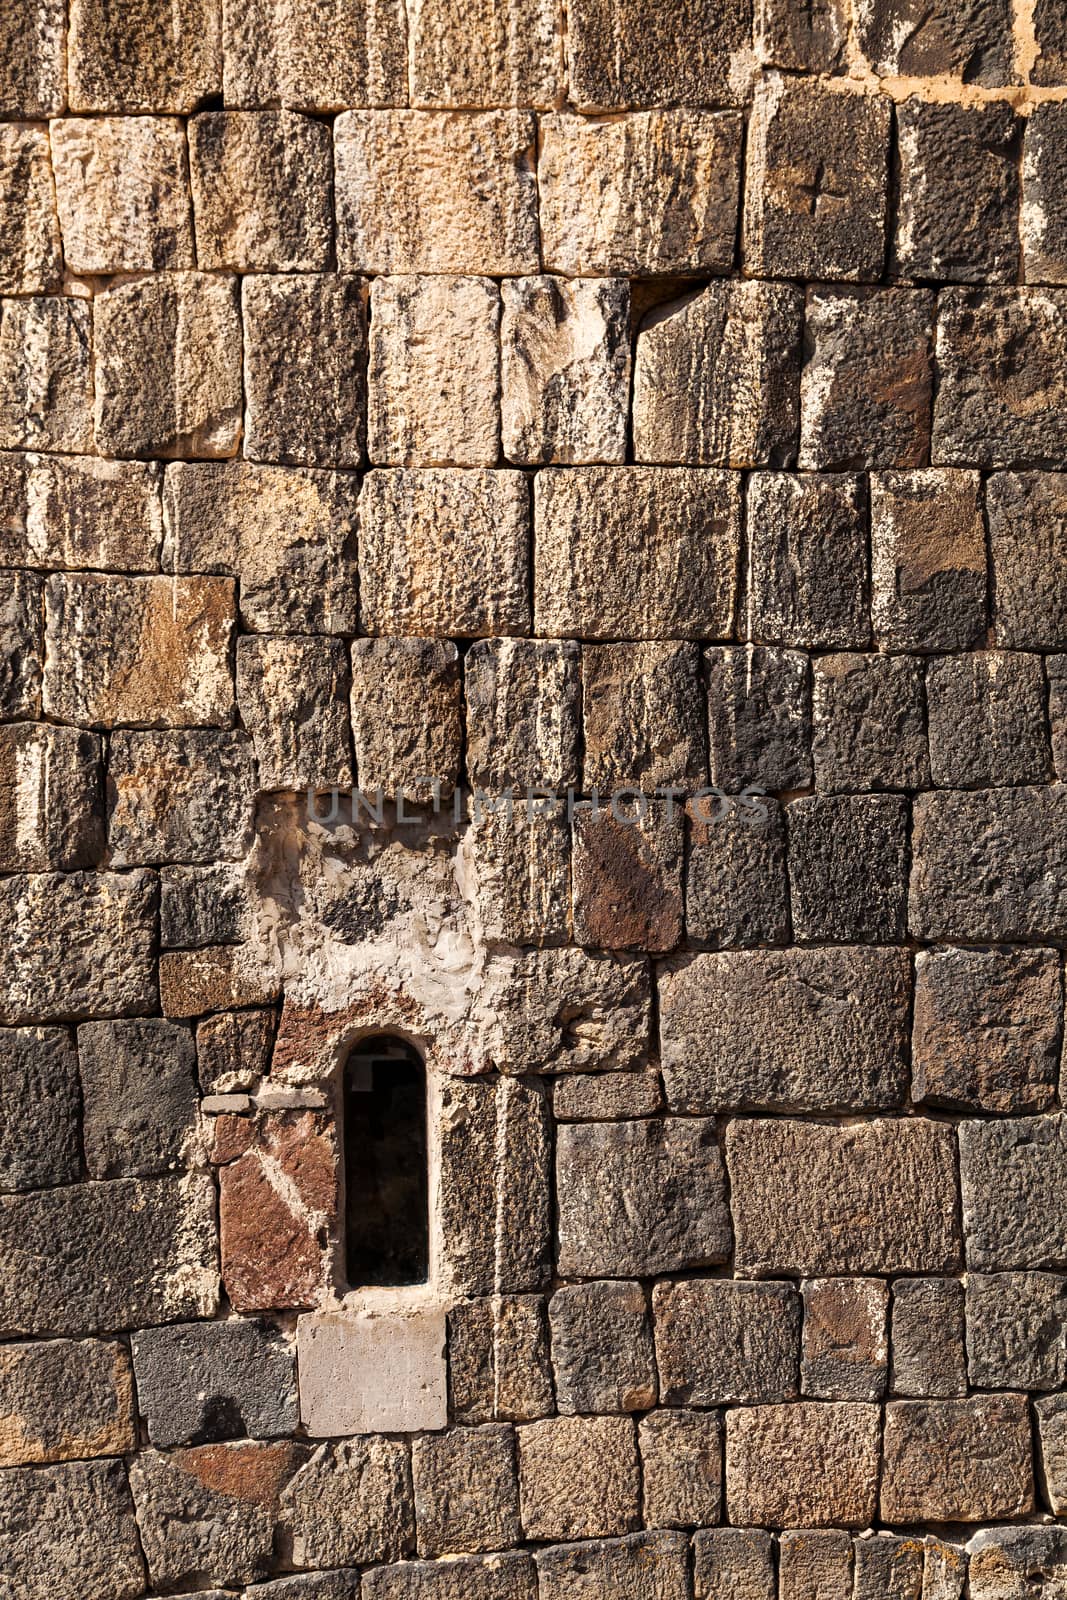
(387, 1214)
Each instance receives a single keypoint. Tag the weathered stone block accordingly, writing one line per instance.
(498, 1362)
(987, 1030)
(957, 1460)
(642, 710)
(717, 377)
(816, 184)
(288, 534)
(522, 704)
(99, 1256)
(46, 379)
(645, 1566)
(200, 1382)
(1027, 514)
(466, 1490)
(568, 1010)
(636, 552)
(1014, 1181)
(520, 861)
(141, 59)
(31, 260)
(718, 1342)
(352, 1502)
(809, 1462)
(305, 359)
(944, 1570)
(215, 978)
(39, 1092)
(640, 1198)
(759, 718)
(815, 1565)
(62, 1399)
(139, 1096)
(233, 1049)
(343, 1583)
(865, 393)
(733, 1564)
(874, 1197)
(643, 194)
(1056, 673)
(602, 1348)
(959, 192)
(122, 194)
(869, 723)
(1008, 1563)
(928, 1330)
(168, 366)
(436, 192)
(681, 1468)
(578, 1477)
(848, 866)
(888, 1568)
(82, 512)
(801, 39)
(986, 717)
(845, 1350)
(928, 560)
(1043, 219)
(276, 1203)
(627, 876)
(1017, 1330)
(517, 62)
(565, 369)
(904, 38)
(406, 716)
(292, 697)
(22, 651)
(1052, 1438)
(434, 374)
(32, 59)
(630, 56)
(373, 1372)
(807, 584)
(498, 1577)
(832, 1032)
(179, 796)
(607, 1097)
(67, 1527)
(261, 191)
(314, 58)
(51, 798)
(735, 876)
(203, 905)
(79, 944)
(444, 552)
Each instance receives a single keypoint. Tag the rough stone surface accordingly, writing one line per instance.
(1017, 1330)
(986, 718)
(733, 1564)
(1010, 1563)
(291, 694)
(32, 78)
(630, 56)
(646, 1566)
(641, 717)
(313, 59)
(928, 1330)
(1027, 514)
(30, 247)
(63, 1398)
(81, 512)
(681, 1468)
(39, 1127)
(406, 716)
(517, 62)
(848, 867)
(928, 560)
(722, 1343)
(261, 191)
(275, 1201)
(498, 1359)
(375, 1373)
(569, 1011)
(466, 1490)
(352, 1502)
(140, 60)
(502, 1577)
(759, 718)
(1013, 1176)
(179, 795)
(83, 1506)
(1051, 1415)
(22, 660)
(519, 856)
(139, 1096)
(602, 1348)
(809, 1463)
(233, 1049)
(969, 43)
(122, 194)
(46, 379)
(1043, 224)
(627, 876)
(522, 713)
(198, 1383)
(735, 874)
(807, 583)
(845, 1349)
(957, 1460)
(51, 798)
(868, 723)
(959, 193)
(578, 1477)
(815, 1565)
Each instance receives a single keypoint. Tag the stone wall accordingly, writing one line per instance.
(645, 402)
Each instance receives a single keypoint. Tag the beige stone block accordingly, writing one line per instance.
(957, 1460)
(31, 260)
(46, 381)
(373, 1371)
(151, 652)
(33, 80)
(286, 533)
(626, 53)
(636, 552)
(434, 373)
(518, 861)
(486, 53)
(261, 191)
(314, 55)
(565, 369)
(168, 366)
(650, 192)
(225, 977)
(424, 191)
(406, 717)
(123, 194)
(815, 1565)
(806, 1462)
(578, 1477)
(444, 551)
(81, 512)
(178, 796)
(522, 700)
(142, 56)
(22, 656)
(292, 695)
(51, 798)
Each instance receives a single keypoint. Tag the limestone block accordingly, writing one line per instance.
(959, 192)
(320, 57)
(179, 796)
(99, 1256)
(845, 1350)
(1014, 1181)
(759, 718)
(153, 651)
(305, 369)
(70, 1526)
(503, 1577)
(291, 696)
(352, 1502)
(848, 867)
(51, 798)
(983, 416)
(602, 1348)
(79, 945)
(32, 59)
(987, 1029)
(989, 864)
(444, 552)
(632, 55)
(82, 512)
(1007, 1563)
(276, 1203)
(233, 1049)
(200, 1382)
(139, 1097)
(519, 862)
(31, 260)
(518, 60)
(123, 194)
(1027, 514)
(627, 876)
(1043, 219)
(143, 59)
(811, 1462)
(905, 38)
(522, 713)
(929, 1358)
(636, 552)
(642, 715)
(832, 1032)
(865, 393)
(466, 1490)
(22, 651)
(957, 1460)
(63, 1399)
(168, 366)
(640, 1198)
(421, 191)
(816, 182)
(717, 377)
(46, 380)
(371, 1372)
(641, 194)
(735, 874)
(203, 905)
(800, 38)
(565, 369)
(1017, 1330)
(1052, 1439)
(568, 1010)
(720, 1343)
(261, 191)
(645, 1566)
(733, 1564)
(39, 1134)
(498, 1362)
(807, 585)
(868, 723)
(288, 534)
(873, 1197)
(578, 1477)
(928, 559)
(815, 1565)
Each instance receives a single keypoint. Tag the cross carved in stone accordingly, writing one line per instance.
(818, 190)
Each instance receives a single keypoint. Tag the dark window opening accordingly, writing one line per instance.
(387, 1212)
